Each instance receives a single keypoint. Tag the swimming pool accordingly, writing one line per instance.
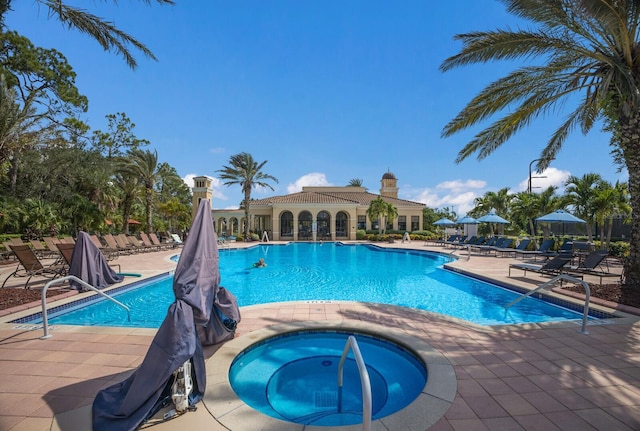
(333, 272)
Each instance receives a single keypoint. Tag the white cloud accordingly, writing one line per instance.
(457, 186)
(458, 195)
(217, 150)
(548, 177)
(312, 179)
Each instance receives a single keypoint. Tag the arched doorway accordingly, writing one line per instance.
(286, 225)
(342, 225)
(324, 225)
(305, 222)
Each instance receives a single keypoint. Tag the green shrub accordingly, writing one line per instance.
(361, 234)
(619, 248)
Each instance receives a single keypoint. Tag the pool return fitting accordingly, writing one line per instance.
(352, 344)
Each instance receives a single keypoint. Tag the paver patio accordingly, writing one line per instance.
(533, 377)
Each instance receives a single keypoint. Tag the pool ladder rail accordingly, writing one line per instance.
(45, 323)
(352, 344)
(549, 284)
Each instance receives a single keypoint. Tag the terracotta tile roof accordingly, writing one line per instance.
(345, 198)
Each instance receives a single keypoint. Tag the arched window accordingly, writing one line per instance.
(342, 223)
(324, 225)
(305, 221)
(222, 227)
(286, 224)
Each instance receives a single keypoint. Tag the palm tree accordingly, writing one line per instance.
(525, 208)
(581, 192)
(608, 201)
(247, 173)
(143, 164)
(129, 187)
(355, 182)
(497, 201)
(549, 201)
(378, 210)
(589, 52)
(104, 32)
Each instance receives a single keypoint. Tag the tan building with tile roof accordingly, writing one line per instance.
(320, 213)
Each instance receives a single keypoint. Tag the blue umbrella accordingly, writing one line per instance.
(492, 217)
(560, 216)
(467, 220)
(443, 222)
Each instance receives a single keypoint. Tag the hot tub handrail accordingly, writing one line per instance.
(352, 344)
(45, 323)
(549, 284)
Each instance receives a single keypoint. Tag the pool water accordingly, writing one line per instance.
(294, 378)
(334, 272)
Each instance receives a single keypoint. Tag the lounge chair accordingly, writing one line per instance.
(501, 244)
(465, 241)
(553, 266)
(124, 244)
(7, 253)
(156, 241)
(29, 265)
(51, 244)
(450, 239)
(508, 251)
(16, 241)
(454, 239)
(108, 252)
(566, 248)
(139, 245)
(41, 250)
(490, 242)
(148, 243)
(544, 247)
(176, 239)
(66, 250)
(590, 265)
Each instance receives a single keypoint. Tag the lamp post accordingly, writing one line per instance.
(530, 187)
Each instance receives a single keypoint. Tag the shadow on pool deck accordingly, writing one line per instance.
(517, 378)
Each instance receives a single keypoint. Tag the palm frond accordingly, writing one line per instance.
(105, 33)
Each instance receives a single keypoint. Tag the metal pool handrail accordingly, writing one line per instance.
(548, 284)
(364, 381)
(45, 323)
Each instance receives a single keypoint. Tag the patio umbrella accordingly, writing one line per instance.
(492, 217)
(467, 220)
(560, 216)
(444, 222)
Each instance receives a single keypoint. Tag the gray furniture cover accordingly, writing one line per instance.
(128, 404)
(89, 265)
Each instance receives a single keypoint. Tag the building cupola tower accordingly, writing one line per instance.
(389, 186)
(201, 190)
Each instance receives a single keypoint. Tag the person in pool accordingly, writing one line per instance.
(260, 263)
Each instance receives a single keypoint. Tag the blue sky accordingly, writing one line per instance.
(325, 91)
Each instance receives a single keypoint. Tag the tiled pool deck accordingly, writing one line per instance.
(536, 377)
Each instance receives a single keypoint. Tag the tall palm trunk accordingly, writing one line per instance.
(149, 207)
(630, 144)
(247, 199)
